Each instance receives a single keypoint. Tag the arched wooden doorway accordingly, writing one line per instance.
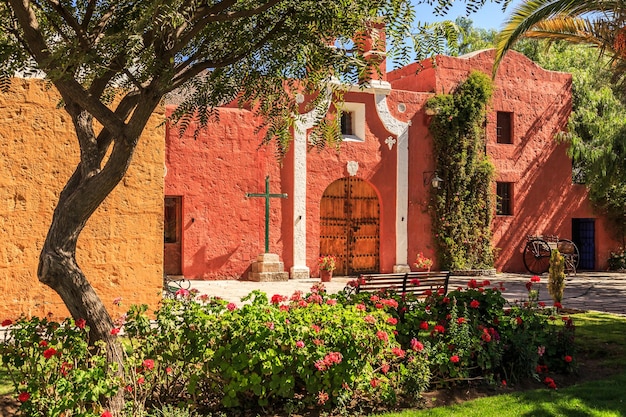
(350, 226)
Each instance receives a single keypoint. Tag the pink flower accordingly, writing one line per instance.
(48, 353)
(382, 335)
(168, 370)
(331, 302)
(474, 304)
(416, 345)
(360, 307)
(115, 331)
(322, 397)
(392, 320)
(140, 380)
(316, 328)
(541, 350)
(269, 325)
(374, 382)
(7, 322)
(182, 293)
(369, 319)
(299, 344)
(23, 397)
(80, 323)
(231, 306)
(455, 359)
(148, 364)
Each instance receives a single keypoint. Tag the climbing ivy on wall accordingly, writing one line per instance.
(463, 208)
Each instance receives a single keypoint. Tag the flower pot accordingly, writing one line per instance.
(326, 275)
(422, 269)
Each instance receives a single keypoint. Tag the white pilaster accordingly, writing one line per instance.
(300, 270)
(401, 130)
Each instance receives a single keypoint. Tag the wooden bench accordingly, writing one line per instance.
(416, 283)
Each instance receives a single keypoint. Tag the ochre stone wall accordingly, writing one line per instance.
(121, 247)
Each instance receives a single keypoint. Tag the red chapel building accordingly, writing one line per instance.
(367, 203)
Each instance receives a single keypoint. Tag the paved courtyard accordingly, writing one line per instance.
(598, 291)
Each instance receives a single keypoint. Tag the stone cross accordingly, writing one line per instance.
(267, 197)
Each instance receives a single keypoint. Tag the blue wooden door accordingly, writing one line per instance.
(584, 236)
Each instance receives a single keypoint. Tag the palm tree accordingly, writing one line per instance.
(596, 23)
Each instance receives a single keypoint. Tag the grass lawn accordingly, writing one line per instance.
(601, 343)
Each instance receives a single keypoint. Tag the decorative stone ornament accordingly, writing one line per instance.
(352, 167)
(390, 141)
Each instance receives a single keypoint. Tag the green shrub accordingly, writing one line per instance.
(53, 370)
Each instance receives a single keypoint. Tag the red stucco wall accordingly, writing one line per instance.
(223, 231)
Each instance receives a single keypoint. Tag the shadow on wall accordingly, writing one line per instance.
(201, 262)
(545, 197)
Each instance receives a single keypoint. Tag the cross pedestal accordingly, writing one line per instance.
(268, 268)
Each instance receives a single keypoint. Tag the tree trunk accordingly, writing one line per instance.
(82, 195)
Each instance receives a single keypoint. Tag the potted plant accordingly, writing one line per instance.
(327, 263)
(423, 263)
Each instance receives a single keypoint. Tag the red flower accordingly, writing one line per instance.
(535, 278)
(504, 382)
(168, 370)
(568, 358)
(416, 345)
(415, 281)
(455, 359)
(440, 329)
(474, 304)
(360, 307)
(382, 335)
(80, 323)
(106, 414)
(231, 306)
(460, 320)
(115, 331)
(141, 380)
(148, 364)
(558, 305)
(43, 343)
(374, 382)
(7, 322)
(519, 321)
(23, 397)
(48, 353)
(424, 325)
(384, 368)
(276, 299)
(392, 320)
(398, 352)
(299, 344)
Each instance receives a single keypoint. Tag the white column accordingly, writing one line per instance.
(401, 130)
(300, 270)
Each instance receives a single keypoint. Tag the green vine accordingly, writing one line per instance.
(463, 207)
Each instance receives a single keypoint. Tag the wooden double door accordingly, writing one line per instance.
(350, 226)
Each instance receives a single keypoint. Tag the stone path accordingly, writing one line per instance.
(597, 291)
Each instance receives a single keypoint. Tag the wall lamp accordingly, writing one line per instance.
(431, 177)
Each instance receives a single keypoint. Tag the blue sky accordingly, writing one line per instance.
(490, 16)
